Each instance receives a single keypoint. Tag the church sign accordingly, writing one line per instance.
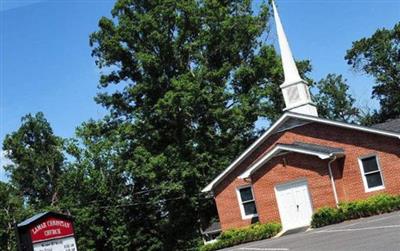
(47, 232)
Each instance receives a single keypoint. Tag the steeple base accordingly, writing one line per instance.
(307, 109)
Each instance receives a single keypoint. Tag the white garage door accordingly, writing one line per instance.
(294, 204)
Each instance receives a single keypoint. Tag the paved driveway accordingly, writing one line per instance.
(375, 233)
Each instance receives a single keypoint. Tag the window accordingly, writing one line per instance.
(372, 175)
(246, 202)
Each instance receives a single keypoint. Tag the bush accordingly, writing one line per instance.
(326, 216)
(374, 205)
(238, 236)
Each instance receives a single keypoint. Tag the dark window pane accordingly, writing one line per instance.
(245, 194)
(250, 208)
(374, 179)
(370, 164)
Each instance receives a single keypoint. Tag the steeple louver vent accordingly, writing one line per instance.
(293, 94)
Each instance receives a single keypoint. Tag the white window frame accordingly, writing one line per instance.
(242, 212)
(363, 174)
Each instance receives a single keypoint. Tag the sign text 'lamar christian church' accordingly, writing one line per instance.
(51, 228)
(47, 232)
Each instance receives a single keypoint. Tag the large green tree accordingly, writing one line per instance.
(192, 79)
(379, 56)
(97, 191)
(334, 100)
(11, 212)
(37, 161)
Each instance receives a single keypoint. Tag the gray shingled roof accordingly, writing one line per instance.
(390, 125)
(215, 227)
(39, 216)
(32, 219)
(315, 148)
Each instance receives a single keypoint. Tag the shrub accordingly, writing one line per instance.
(326, 216)
(374, 205)
(238, 236)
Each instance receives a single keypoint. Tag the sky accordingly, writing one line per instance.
(45, 61)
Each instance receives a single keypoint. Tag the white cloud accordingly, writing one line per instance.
(3, 162)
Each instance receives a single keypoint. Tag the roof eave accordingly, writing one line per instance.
(279, 148)
(346, 125)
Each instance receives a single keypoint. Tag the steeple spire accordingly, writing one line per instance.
(289, 66)
(295, 90)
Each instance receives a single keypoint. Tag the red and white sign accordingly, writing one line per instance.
(51, 228)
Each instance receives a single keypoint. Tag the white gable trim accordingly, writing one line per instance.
(246, 153)
(278, 148)
(279, 122)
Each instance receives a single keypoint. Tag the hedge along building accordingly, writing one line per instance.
(303, 162)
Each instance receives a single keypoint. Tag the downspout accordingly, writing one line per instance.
(332, 179)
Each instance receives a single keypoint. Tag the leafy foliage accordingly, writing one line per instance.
(37, 160)
(234, 237)
(11, 212)
(326, 216)
(379, 56)
(374, 205)
(100, 193)
(333, 100)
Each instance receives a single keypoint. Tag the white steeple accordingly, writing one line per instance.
(295, 90)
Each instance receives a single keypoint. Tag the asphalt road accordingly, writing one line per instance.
(375, 233)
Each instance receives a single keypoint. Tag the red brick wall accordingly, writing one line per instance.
(346, 171)
(287, 168)
(225, 193)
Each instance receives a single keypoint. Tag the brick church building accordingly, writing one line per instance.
(304, 162)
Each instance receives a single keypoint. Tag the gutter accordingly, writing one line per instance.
(332, 179)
